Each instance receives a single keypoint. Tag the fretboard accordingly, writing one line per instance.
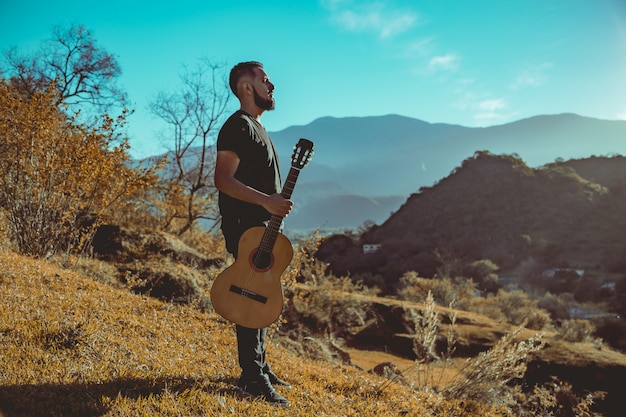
(271, 232)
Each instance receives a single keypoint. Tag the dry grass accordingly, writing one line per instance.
(72, 346)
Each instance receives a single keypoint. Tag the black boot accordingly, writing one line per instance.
(262, 388)
(276, 381)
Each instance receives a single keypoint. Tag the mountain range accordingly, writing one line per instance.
(364, 168)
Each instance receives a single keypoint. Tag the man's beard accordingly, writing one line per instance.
(263, 103)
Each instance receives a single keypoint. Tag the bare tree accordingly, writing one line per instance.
(81, 72)
(193, 113)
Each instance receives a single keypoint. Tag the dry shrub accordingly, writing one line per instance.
(58, 177)
(514, 307)
(431, 364)
(508, 306)
(209, 243)
(485, 378)
(556, 399)
(577, 331)
(444, 291)
(316, 300)
(490, 378)
(324, 306)
(427, 326)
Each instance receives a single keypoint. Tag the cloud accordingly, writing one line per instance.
(448, 62)
(466, 81)
(377, 18)
(492, 105)
(426, 64)
(485, 111)
(419, 48)
(492, 111)
(532, 77)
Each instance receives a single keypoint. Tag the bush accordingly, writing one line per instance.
(316, 300)
(57, 175)
(556, 398)
(427, 324)
(576, 331)
(517, 308)
(486, 377)
(459, 291)
(556, 305)
(483, 272)
(612, 330)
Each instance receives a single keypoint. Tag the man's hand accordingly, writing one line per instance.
(225, 181)
(278, 205)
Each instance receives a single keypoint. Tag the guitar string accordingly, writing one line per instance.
(265, 239)
(275, 223)
(264, 247)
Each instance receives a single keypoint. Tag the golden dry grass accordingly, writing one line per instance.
(71, 346)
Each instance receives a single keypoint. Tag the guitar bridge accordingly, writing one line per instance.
(252, 295)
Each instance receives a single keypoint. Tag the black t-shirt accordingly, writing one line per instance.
(258, 167)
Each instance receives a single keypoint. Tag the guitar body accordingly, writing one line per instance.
(249, 295)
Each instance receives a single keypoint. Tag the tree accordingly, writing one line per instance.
(188, 194)
(58, 177)
(80, 72)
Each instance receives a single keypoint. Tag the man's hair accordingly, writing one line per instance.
(241, 69)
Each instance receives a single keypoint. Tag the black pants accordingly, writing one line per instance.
(251, 347)
(251, 344)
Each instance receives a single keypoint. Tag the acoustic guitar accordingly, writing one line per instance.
(249, 292)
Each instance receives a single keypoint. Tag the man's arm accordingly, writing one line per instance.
(225, 181)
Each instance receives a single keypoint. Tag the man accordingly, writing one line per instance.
(248, 179)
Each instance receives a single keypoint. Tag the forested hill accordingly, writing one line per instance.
(569, 213)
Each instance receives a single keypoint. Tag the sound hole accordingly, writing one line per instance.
(261, 260)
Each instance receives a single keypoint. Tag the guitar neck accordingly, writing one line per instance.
(269, 237)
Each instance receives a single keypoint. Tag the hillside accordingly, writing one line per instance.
(498, 208)
(395, 156)
(74, 347)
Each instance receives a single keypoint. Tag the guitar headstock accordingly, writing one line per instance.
(302, 153)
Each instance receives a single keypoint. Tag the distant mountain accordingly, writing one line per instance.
(393, 156)
(364, 168)
(367, 154)
(495, 207)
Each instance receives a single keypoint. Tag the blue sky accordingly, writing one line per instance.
(468, 62)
